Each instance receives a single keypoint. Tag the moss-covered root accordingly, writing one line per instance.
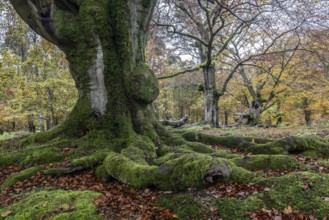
(226, 141)
(54, 204)
(260, 162)
(130, 172)
(187, 170)
(306, 145)
(20, 176)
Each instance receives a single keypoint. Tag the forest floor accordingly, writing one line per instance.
(298, 192)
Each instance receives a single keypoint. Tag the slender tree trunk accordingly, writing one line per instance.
(31, 125)
(307, 116)
(48, 123)
(226, 114)
(41, 122)
(211, 96)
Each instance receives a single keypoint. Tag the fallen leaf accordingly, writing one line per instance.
(6, 213)
(287, 210)
(326, 199)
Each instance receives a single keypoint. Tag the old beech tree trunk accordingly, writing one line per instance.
(104, 43)
(210, 92)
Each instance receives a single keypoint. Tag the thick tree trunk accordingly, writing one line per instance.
(211, 96)
(254, 112)
(104, 43)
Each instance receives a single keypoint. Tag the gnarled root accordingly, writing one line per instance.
(188, 170)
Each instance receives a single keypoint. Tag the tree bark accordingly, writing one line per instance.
(211, 96)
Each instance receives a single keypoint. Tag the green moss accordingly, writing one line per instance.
(260, 162)
(30, 155)
(20, 176)
(226, 141)
(175, 140)
(130, 172)
(11, 158)
(43, 155)
(303, 191)
(324, 163)
(54, 204)
(142, 84)
(270, 148)
(184, 206)
(225, 154)
(230, 208)
(200, 148)
(91, 160)
(192, 170)
(167, 157)
(137, 155)
(102, 174)
(143, 143)
(241, 175)
(308, 145)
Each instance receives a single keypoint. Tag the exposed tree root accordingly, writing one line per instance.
(175, 123)
(136, 161)
(176, 164)
(307, 145)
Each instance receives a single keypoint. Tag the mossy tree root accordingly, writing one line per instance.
(188, 170)
(306, 145)
(138, 162)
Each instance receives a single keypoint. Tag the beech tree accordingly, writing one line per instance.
(113, 117)
(206, 29)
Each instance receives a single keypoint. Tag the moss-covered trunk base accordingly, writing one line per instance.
(136, 160)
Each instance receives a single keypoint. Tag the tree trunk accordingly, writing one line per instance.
(104, 44)
(41, 122)
(226, 114)
(48, 123)
(307, 116)
(30, 121)
(254, 111)
(211, 96)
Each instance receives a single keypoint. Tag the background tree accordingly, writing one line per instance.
(205, 29)
(34, 65)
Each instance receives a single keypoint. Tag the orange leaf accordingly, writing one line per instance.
(6, 213)
(287, 210)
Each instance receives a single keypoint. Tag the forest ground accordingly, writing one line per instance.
(294, 188)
